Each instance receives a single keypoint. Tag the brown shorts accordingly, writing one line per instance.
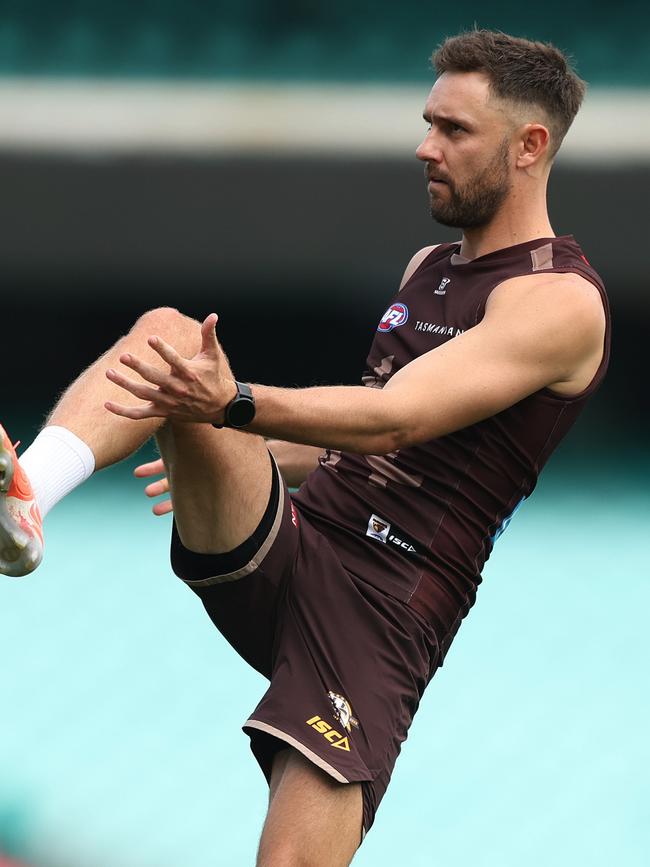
(347, 663)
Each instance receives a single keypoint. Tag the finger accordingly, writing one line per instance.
(137, 389)
(146, 371)
(155, 489)
(153, 468)
(167, 353)
(209, 342)
(149, 410)
(163, 508)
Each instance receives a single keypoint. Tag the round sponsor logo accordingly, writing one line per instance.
(397, 314)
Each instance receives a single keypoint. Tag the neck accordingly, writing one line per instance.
(523, 217)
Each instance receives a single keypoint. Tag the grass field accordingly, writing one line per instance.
(121, 706)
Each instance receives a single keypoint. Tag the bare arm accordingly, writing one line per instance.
(535, 333)
(545, 330)
(297, 461)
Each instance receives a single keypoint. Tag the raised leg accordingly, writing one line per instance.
(220, 482)
(220, 479)
(313, 821)
(81, 408)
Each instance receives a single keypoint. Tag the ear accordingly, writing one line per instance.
(534, 140)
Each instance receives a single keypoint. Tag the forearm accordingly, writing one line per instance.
(349, 418)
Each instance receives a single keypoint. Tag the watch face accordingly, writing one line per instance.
(241, 412)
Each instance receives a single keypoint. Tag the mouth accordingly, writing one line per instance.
(436, 184)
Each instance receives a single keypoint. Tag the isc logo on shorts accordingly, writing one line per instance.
(334, 738)
(397, 314)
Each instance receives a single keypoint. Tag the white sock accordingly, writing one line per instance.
(56, 462)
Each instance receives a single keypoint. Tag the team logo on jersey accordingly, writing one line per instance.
(343, 711)
(378, 528)
(442, 289)
(397, 314)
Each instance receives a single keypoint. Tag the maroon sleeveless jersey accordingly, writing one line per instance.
(421, 522)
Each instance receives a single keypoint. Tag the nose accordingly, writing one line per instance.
(428, 150)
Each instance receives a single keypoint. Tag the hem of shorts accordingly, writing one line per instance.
(293, 742)
(256, 561)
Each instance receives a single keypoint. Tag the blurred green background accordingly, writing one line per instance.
(257, 159)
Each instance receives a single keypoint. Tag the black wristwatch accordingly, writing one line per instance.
(241, 409)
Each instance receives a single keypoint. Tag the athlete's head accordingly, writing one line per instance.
(498, 112)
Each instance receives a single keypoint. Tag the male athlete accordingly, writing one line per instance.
(347, 595)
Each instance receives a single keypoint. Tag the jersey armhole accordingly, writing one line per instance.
(415, 263)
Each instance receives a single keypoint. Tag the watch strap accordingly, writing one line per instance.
(244, 395)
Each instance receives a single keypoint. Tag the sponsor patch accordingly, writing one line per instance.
(383, 531)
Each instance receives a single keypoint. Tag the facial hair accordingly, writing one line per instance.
(474, 203)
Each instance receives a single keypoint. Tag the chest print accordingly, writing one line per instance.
(437, 328)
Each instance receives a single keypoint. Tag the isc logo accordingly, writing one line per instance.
(397, 314)
(334, 738)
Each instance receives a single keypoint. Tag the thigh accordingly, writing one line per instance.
(242, 589)
(220, 481)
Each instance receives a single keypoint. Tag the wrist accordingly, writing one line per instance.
(239, 412)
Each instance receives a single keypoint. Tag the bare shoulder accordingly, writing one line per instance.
(557, 317)
(415, 263)
(567, 298)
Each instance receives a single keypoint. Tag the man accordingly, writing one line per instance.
(348, 595)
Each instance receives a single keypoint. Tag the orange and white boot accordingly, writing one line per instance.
(21, 527)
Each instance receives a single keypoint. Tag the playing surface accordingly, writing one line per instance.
(119, 735)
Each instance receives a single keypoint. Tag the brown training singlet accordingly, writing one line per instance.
(421, 522)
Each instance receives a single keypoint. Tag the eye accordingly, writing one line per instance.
(455, 128)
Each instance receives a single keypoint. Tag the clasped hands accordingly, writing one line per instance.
(195, 390)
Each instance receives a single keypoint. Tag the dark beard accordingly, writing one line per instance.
(476, 203)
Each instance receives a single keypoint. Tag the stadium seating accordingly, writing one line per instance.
(291, 39)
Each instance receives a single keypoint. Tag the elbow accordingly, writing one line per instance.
(392, 434)
(378, 444)
(396, 440)
(385, 443)
(403, 436)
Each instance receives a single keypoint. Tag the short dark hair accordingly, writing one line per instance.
(521, 71)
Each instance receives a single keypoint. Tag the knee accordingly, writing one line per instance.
(166, 322)
(159, 317)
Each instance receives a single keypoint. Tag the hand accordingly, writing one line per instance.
(195, 390)
(155, 489)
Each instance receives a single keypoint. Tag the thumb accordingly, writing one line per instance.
(209, 342)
